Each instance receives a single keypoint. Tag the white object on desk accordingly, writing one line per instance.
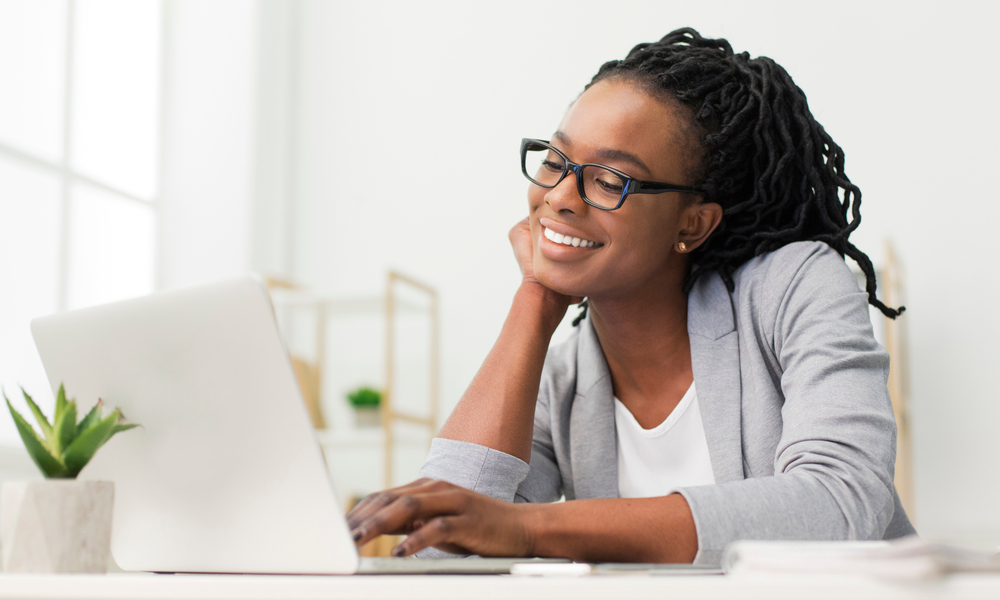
(906, 559)
(224, 475)
(542, 569)
(56, 525)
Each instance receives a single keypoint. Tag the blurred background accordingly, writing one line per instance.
(150, 144)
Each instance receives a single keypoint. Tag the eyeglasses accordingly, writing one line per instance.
(600, 186)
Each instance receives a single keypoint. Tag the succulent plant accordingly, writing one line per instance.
(65, 446)
(365, 397)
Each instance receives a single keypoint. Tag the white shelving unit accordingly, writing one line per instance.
(339, 439)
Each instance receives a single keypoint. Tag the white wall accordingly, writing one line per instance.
(408, 115)
(209, 139)
(205, 160)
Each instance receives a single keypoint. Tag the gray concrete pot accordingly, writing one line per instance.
(56, 526)
(367, 416)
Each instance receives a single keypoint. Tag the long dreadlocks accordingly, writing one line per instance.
(776, 173)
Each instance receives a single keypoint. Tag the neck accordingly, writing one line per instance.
(645, 341)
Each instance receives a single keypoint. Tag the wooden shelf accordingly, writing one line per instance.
(288, 296)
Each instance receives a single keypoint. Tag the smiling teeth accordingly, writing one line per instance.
(566, 240)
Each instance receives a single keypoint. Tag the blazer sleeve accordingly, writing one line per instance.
(501, 475)
(474, 467)
(498, 474)
(834, 462)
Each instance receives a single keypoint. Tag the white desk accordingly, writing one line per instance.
(478, 587)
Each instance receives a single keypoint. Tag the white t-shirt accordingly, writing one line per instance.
(657, 461)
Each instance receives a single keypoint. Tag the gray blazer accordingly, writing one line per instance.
(792, 389)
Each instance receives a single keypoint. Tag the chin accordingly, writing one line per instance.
(561, 284)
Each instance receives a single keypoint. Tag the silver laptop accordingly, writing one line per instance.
(225, 474)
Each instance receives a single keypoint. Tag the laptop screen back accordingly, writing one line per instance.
(225, 474)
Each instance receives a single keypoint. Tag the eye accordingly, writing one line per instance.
(553, 166)
(614, 186)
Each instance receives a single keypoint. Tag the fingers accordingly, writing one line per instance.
(518, 228)
(372, 503)
(451, 518)
(408, 510)
(438, 532)
(521, 243)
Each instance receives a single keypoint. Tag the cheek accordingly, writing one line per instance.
(536, 198)
(644, 246)
(638, 263)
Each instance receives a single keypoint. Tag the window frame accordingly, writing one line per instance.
(69, 177)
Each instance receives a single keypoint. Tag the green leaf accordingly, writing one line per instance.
(365, 396)
(120, 428)
(60, 403)
(39, 415)
(64, 428)
(79, 453)
(92, 417)
(49, 465)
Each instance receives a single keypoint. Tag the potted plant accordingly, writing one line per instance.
(366, 402)
(60, 524)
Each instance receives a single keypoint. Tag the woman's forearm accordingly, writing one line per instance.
(654, 530)
(498, 408)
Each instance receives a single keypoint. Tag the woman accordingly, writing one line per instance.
(723, 382)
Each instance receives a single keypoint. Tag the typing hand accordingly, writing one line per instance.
(445, 516)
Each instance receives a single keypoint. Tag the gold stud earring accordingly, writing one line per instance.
(681, 247)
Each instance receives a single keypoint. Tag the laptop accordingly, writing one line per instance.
(225, 474)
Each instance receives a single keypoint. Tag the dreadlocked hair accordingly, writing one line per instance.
(777, 174)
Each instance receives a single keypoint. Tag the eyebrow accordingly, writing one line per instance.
(609, 153)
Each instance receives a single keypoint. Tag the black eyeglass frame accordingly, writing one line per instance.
(632, 185)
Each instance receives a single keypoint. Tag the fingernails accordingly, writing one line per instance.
(398, 551)
(357, 534)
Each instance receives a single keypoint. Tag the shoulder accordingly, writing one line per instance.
(802, 291)
(802, 269)
(795, 260)
(805, 273)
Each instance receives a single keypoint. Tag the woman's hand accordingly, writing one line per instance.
(445, 516)
(524, 249)
(524, 252)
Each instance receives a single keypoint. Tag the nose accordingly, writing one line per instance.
(565, 197)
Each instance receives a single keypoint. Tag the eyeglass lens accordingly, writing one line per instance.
(601, 186)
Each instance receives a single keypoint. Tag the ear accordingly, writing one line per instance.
(698, 222)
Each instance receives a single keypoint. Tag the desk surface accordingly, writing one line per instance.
(369, 587)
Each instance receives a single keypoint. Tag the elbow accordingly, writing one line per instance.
(863, 499)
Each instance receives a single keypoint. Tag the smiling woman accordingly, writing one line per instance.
(723, 384)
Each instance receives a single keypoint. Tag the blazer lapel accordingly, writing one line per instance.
(715, 360)
(593, 445)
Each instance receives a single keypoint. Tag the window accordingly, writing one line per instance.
(80, 116)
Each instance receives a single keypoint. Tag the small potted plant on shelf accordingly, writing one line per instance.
(366, 402)
(61, 524)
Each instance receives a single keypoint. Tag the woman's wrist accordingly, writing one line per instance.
(611, 530)
(532, 517)
(549, 306)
